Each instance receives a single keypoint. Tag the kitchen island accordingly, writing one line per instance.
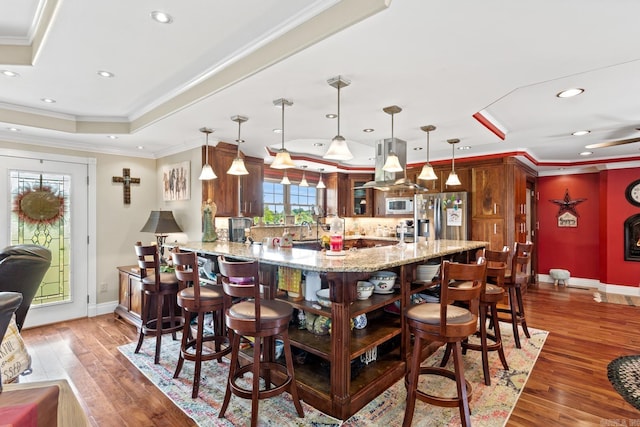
(341, 372)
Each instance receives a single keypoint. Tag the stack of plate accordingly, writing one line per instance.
(426, 272)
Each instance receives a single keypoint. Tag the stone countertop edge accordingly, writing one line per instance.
(361, 260)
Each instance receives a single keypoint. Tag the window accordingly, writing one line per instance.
(282, 200)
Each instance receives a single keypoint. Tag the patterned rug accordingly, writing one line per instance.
(624, 375)
(490, 406)
(617, 299)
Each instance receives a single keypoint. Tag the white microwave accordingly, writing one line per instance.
(399, 206)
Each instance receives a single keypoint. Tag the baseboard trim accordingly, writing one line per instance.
(577, 282)
(102, 308)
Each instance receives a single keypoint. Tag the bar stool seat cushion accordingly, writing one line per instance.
(429, 313)
(269, 309)
(166, 280)
(206, 293)
(493, 289)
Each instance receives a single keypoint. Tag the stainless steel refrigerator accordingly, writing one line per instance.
(441, 216)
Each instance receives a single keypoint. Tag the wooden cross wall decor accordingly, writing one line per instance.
(127, 181)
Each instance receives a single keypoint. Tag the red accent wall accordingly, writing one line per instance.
(594, 249)
(572, 248)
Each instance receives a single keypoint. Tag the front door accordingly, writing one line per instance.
(48, 206)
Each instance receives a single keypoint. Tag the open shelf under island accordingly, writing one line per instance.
(330, 376)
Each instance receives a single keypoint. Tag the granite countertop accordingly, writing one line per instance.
(361, 260)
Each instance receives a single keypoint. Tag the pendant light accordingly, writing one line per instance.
(393, 162)
(207, 171)
(338, 149)
(285, 179)
(453, 176)
(427, 173)
(238, 167)
(304, 182)
(283, 159)
(320, 182)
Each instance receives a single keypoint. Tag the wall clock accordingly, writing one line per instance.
(633, 193)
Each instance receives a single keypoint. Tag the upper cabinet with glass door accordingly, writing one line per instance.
(361, 201)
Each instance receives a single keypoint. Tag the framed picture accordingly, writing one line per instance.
(176, 183)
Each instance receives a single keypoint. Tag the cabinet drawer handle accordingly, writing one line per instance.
(495, 228)
(495, 209)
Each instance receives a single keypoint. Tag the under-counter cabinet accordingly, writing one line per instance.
(130, 298)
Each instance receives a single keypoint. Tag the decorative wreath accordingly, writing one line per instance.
(39, 206)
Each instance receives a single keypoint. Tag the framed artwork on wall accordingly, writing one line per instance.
(176, 183)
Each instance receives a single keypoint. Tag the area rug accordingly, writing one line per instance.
(617, 299)
(624, 375)
(490, 405)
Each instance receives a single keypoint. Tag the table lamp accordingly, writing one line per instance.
(161, 223)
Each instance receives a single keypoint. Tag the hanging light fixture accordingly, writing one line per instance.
(285, 179)
(338, 149)
(427, 172)
(393, 162)
(453, 176)
(238, 167)
(207, 171)
(283, 159)
(304, 182)
(320, 182)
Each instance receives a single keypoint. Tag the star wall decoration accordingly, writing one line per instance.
(566, 204)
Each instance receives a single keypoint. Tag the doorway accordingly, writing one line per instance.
(48, 204)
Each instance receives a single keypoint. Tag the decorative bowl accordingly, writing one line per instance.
(383, 282)
(360, 321)
(365, 289)
(323, 298)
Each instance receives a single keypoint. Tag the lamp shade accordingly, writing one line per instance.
(392, 164)
(283, 160)
(207, 173)
(427, 173)
(161, 222)
(338, 150)
(238, 167)
(453, 179)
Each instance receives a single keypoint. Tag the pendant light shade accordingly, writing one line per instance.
(393, 162)
(283, 159)
(207, 171)
(237, 166)
(285, 179)
(338, 149)
(427, 172)
(320, 181)
(453, 176)
(303, 182)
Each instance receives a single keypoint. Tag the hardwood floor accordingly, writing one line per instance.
(568, 385)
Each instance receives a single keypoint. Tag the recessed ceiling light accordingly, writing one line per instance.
(331, 116)
(14, 129)
(107, 74)
(581, 132)
(161, 17)
(140, 147)
(570, 92)
(278, 130)
(417, 148)
(48, 100)
(586, 153)
(112, 137)
(9, 73)
(318, 144)
(464, 147)
(367, 130)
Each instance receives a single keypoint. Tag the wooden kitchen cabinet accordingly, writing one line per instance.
(361, 200)
(338, 194)
(130, 297)
(234, 195)
(498, 202)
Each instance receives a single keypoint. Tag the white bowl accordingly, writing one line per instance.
(383, 281)
(323, 298)
(365, 289)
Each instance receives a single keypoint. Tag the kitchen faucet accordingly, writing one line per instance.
(308, 225)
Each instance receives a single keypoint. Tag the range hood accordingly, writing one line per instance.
(391, 181)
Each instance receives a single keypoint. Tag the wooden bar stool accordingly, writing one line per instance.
(159, 290)
(261, 319)
(199, 299)
(492, 295)
(448, 323)
(515, 280)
